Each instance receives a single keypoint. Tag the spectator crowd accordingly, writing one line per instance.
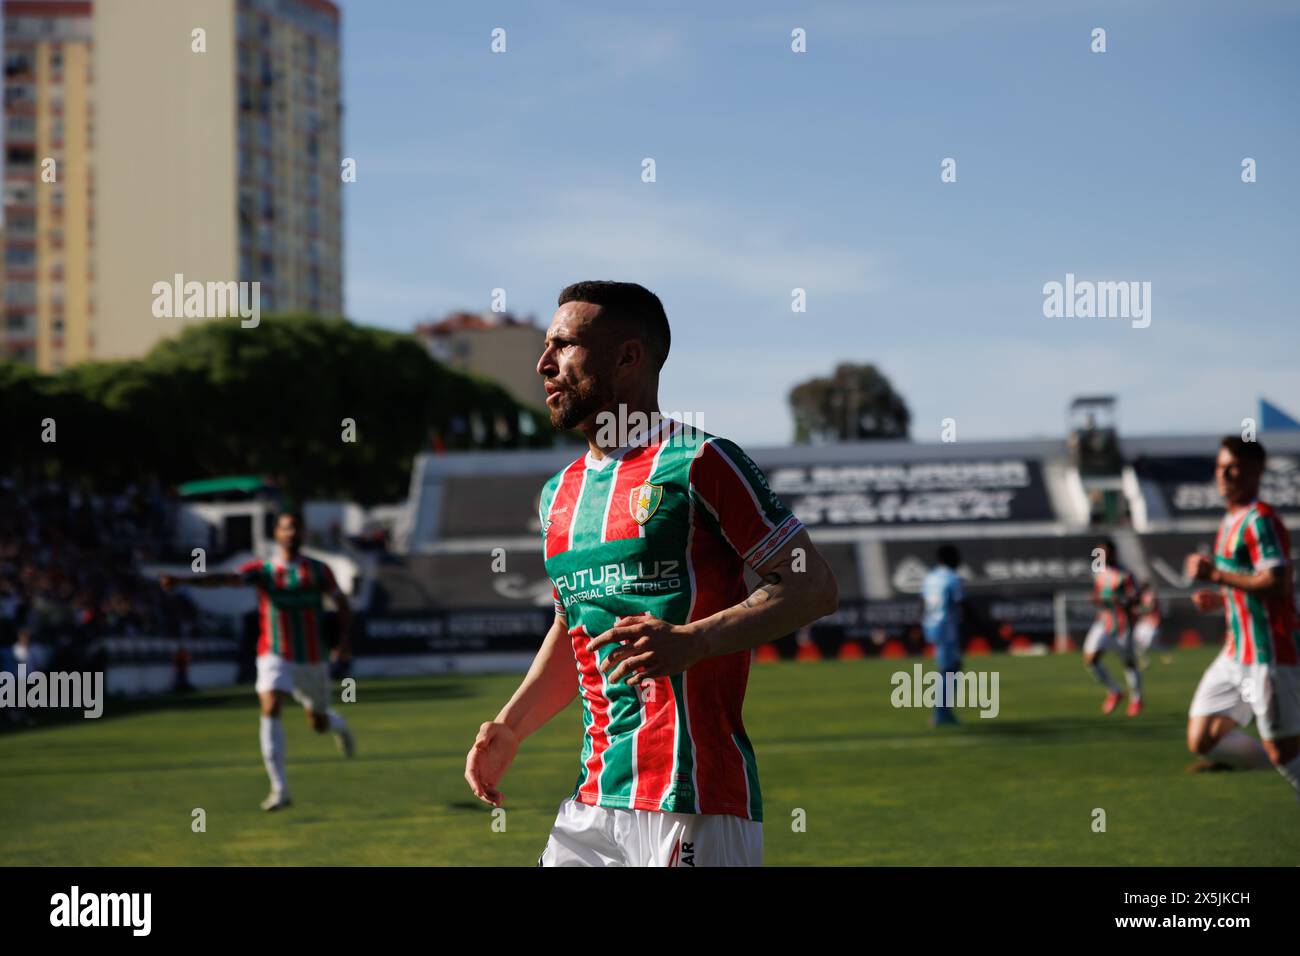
(70, 569)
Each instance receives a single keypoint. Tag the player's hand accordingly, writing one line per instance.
(647, 648)
(1207, 600)
(166, 581)
(1198, 567)
(488, 760)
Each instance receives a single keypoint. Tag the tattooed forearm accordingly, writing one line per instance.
(764, 590)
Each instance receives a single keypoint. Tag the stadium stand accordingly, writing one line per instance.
(1023, 513)
(71, 591)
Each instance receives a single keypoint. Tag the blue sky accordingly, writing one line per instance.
(821, 170)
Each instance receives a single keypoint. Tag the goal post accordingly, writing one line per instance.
(1072, 614)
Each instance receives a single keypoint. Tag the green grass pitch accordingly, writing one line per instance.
(877, 785)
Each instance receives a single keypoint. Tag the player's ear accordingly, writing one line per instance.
(632, 354)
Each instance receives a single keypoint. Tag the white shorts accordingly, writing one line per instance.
(1270, 693)
(1102, 638)
(309, 683)
(601, 836)
(1145, 634)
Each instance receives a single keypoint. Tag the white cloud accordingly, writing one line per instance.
(605, 231)
(618, 47)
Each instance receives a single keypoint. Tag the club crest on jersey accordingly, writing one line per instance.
(643, 501)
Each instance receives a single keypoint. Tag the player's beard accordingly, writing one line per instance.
(581, 401)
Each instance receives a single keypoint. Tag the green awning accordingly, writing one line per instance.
(212, 486)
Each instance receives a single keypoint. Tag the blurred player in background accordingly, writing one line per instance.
(1114, 592)
(944, 596)
(1258, 673)
(1146, 625)
(646, 538)
(290, 646)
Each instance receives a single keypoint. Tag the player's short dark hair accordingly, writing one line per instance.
(293, 513)
(1107, 543)
(1244, 450)
(948, 555)
(633, 305)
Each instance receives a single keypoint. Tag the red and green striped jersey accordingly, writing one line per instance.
(666, 527)
(1261, 630)
(289, 605)
(1115, 588)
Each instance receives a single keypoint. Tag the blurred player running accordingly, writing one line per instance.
(646, 538)
(1258, 672)
(1114, 592)
(290, 646)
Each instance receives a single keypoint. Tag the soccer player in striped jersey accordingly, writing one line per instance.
(1114, 592)
(646, 539)
(1258, 672)
(290, 645)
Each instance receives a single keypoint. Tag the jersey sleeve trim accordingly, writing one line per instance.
(773, 542)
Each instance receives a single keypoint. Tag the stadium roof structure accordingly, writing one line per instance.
(1273, 419)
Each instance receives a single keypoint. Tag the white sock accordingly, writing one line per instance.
(337, 723)
(272, 736)
(1239, 749)
(1134, 678)
(1103, 677)
(1292, 773)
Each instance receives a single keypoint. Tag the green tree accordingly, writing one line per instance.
(855, 403)
(221, 399)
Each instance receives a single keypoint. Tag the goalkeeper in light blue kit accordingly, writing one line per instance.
(944, 595)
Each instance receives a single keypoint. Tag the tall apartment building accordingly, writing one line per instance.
(47, 186)
(199, 138)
